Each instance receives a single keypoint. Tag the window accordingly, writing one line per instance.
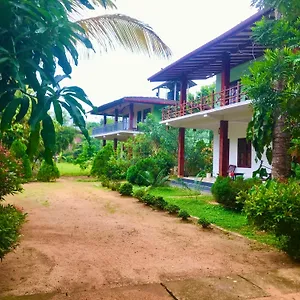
(244, 153)
(139, 117)
(145, 113)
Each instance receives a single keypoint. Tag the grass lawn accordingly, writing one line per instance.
(67, 169)
(204, 206)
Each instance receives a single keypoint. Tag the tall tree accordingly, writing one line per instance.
(35, 36)
(274, 86)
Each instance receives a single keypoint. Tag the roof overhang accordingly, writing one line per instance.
(171, 84)
(210, 119)
(121, 135)
(108, 108)
(206, 61)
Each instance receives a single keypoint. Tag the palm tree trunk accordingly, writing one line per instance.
(281, 162)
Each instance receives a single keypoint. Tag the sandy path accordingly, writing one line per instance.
(80, 237)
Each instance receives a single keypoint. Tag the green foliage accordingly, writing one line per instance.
(203, 206)
(225, 190)
(173, 209)
(160, 203)
(199, 158)
(204, 91)
(116, 168)
(34, 39)
(153, 181)
(139, 193)
(115, 185)
(11, 220)
(64, 138)
(18, 149)
(204, 222)
(276, 207)
(126, 189)
(48, 172)
(149, 199)
(151, 170)
(84, 153)
(161, 143)
(273, 85)
(100, 165)
(183, 214)
(105, 182)
(10, 173)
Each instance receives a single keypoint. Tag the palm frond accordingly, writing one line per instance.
(111, 31)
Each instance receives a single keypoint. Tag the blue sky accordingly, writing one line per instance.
(183, 26)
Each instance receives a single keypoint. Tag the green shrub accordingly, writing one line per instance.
(105, 182)
(225, 190)
(18, 149)
(275, 207)
(10, 173)
(100, 165)
(116, 168)
(173, 209)
(11, 220)
(115, 186)
(48, 172)
(160, 203)
(184, 215)
(126, 189)
(204, 222)
(149, 199)
(151, 170)
(139, 193)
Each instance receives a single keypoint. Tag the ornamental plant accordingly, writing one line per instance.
(48, 172)
(10, 173)
(275, 207)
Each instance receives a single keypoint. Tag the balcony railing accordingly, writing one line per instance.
(120, 126)
(230, 96)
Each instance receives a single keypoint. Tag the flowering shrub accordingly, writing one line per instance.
(11, 219)
(10, 173)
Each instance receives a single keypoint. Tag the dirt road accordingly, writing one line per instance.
(81, 238)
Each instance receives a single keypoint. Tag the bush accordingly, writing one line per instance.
(173, 209)
(100, 165)
(115, 186)
(10, 173)
(160, 203)
(149, 199)
(150, 170)
(275, 207)
(11, 220)
(18, 149)
(204, 222)
(184, 215)
(105, 182)
(116, 168)
(48, 172)
(139, 193)
(126, 189)
(225, 190)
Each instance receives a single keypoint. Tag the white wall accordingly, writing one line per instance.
(235, 131)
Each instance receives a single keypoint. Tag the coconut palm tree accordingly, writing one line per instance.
(112, 30)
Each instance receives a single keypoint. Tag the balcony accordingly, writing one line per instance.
(233, 95)
(118, 131)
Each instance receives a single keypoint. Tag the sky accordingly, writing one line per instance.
(182, 25)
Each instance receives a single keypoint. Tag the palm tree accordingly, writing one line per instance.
(113, 30)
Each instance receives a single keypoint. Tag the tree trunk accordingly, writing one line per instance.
(281, 161)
